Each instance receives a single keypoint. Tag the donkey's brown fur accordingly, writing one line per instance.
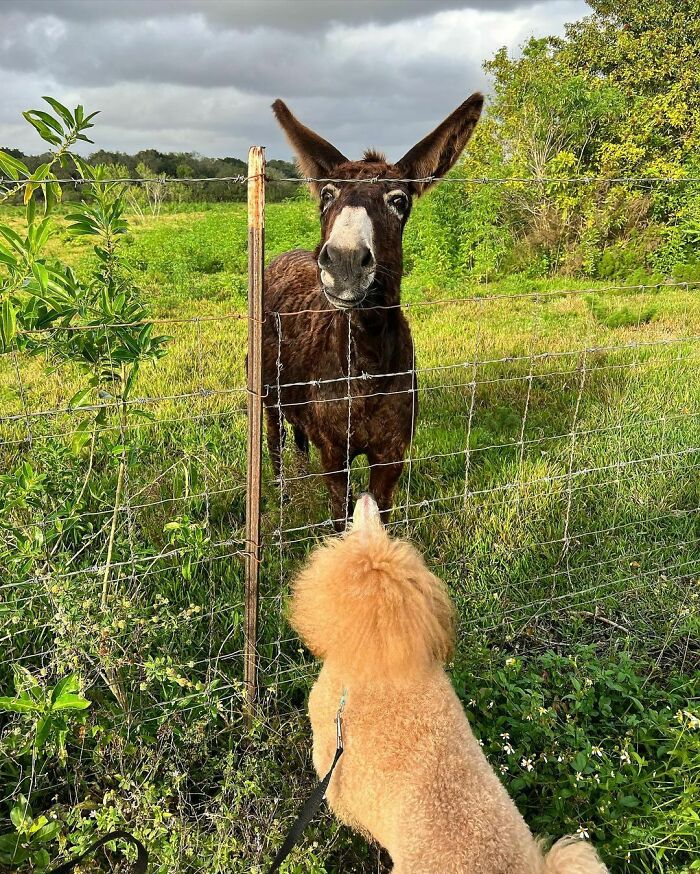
(311, 318)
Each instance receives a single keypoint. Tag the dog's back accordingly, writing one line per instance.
(414, 777)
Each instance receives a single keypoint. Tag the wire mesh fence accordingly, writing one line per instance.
(552, 480)
(540, 463)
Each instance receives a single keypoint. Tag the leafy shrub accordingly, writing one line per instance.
(591, 746)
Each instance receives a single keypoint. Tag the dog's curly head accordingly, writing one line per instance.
(369, 602)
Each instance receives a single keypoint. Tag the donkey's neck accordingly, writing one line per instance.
(373, 339)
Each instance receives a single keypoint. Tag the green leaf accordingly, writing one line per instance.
(31, 214)
(12, 167)
(7, 258)
(53, 195)
(11, 850)
(579, 761)
(41, 275)
(8, 322)
(43, 131)
(13, 238)
(17, 705)
(43, 730)
(48, 832)
(143, 414)
(49, 121)
(41, 860)
(60, 110)
(42, 232)
(71, 702)
(81, 437)
(629, 801)
(130, 380)
(66, 685)
(21, 815)
(41, 172)
(38, 823)
(80, 397)
(9, 843)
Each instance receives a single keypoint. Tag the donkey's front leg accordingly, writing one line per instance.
(337, 479)
(276, 435)
(383, 476)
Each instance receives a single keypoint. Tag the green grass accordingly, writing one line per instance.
(573, 561)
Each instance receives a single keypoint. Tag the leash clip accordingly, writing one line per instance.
(338, 731)
(339, 721)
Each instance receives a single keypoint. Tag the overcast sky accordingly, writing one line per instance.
(199, 75)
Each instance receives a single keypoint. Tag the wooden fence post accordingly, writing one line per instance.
(256, 253)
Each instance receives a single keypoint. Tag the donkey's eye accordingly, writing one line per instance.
(327, 196)
(398, 202)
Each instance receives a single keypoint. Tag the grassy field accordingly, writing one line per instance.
(553, 482)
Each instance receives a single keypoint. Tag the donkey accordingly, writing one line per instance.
(338, 358)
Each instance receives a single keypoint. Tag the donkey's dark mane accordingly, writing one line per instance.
(374, 156)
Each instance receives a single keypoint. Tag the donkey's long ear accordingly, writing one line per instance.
(316, 157)
(438, 152)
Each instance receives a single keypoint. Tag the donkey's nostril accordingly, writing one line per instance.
(325, 258)
(367, 261)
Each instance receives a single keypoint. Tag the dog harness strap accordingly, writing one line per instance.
(313, 802)
(141, 858)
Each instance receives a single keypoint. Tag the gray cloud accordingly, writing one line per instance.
(195, 75)
(301, 15)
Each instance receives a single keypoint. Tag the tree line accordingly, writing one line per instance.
(152, 165)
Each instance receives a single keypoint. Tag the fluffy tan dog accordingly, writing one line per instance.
(413, 776)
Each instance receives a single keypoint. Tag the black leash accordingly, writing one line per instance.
(313, 802)
(141, 858)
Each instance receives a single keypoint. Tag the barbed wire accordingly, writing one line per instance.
(242, 179)
(138, 180)
(498, 180)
